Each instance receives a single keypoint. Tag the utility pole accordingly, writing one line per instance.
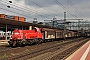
(6, 32)
(64, 25)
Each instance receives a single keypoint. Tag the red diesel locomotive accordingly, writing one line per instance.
(23, 37)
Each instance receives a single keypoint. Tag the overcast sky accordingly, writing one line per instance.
(47, 9)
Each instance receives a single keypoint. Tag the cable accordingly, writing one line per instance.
(69, 1)
(61, 5)
(14, 12)
(42, 7)
(24, 9)
(40, 14)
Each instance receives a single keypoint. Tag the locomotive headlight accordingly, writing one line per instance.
(16, 33)
(18, 38)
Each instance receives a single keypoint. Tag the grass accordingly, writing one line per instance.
(4, 56)
(26, 50)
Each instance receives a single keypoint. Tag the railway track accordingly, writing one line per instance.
(61, 53)
(8, 48)
(6, 51)
(68, 51)
(48, 52)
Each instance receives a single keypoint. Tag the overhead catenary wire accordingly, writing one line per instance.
(71, 3)
(43, 8)
(38, 13)
(61, 5)
(13, 11)
(28, 11)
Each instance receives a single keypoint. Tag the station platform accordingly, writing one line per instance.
(81, 54)
(4, 42)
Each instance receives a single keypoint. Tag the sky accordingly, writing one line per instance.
(47, 9)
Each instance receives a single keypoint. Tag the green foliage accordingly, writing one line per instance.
(4, 56)
(26, 50)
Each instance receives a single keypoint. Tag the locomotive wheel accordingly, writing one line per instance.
(23, 42)
(37, 41)
(29, 42)
(14, 43)
(10, 42)
(40, 41)
(18, 43)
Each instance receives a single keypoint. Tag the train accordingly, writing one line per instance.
(38, 35)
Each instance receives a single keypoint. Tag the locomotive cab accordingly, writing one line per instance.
(37, 29)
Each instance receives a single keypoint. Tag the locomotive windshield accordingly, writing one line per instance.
(37, 29)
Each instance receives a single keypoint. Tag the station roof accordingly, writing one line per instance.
(19, 23)
(14, 22)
